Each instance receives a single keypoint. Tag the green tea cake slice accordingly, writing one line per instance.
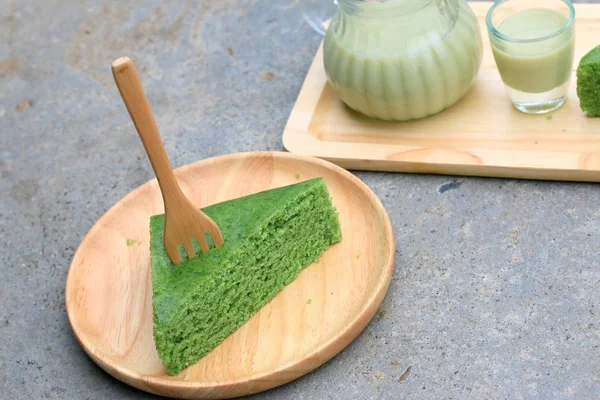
(269, 238)
(588, 83)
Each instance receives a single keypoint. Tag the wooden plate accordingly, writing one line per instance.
(109, 294)
(481, 135)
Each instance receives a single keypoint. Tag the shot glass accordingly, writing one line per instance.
(533, 44)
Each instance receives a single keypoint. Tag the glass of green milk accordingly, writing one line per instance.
(533, 43)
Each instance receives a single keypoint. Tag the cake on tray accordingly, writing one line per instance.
(588, 82)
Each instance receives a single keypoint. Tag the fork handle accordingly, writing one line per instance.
(130, 87)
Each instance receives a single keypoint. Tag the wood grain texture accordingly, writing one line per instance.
(482, 135)
(183, 220)
(109, 295)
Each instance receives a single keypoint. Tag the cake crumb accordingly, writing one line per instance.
(309, 301)
(297, 175)
(548, 117)
(357, 256)
(564, 130)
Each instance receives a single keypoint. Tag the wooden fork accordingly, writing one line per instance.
(183, 221)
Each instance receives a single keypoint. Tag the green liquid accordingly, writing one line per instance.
(540, 66)
(402, 67)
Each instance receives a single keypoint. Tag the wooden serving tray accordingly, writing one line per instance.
(481, 135)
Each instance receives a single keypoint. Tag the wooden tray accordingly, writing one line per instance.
(482, 135)
(109, 294)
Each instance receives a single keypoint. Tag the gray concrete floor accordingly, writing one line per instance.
(495, 292)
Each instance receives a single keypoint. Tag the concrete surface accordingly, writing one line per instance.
(495, 292)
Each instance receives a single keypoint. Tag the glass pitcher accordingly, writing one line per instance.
(402, 59)
(317, 12)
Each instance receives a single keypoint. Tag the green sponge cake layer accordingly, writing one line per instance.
(588, 82)
(269, 238)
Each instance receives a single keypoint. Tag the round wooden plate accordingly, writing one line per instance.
(109, 293)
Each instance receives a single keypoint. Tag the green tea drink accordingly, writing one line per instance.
(402, 59)
(535, 67)
(534, 50)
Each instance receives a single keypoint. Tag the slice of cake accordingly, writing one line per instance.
(269, 238)
(588, 82)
